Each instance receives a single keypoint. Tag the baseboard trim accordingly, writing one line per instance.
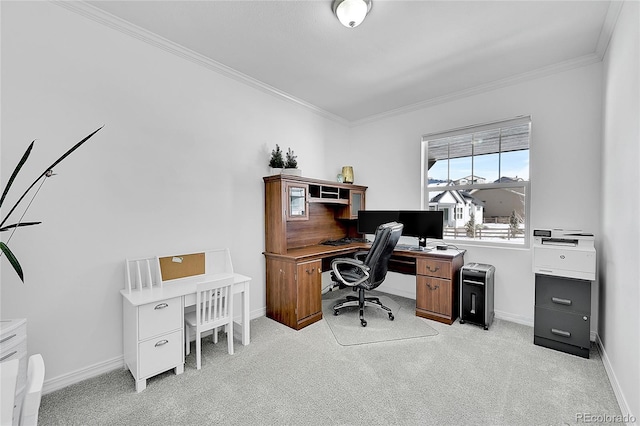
(518, 319)
(107, 366)
(617, 390)
(81, 374)
(398, 292)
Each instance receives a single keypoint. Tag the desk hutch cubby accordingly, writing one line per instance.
(300, 213)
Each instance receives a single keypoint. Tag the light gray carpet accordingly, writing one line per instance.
(346, 326)
(462, 376)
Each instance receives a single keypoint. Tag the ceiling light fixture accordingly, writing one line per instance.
(351, 13)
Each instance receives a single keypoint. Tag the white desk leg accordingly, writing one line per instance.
(179, 369)
(141, 385)
(245, 315)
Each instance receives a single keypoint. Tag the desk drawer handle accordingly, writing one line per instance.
(433, 288)
(559, 301)
(8, 338)
(560, 332)
(9, 355)
(162, 342)
(161, 306)
(311, 271)
(433, 270)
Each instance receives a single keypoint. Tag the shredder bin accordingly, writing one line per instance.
(476, 294)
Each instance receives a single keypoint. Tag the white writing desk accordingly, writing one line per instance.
(186, 288)
(153, 312)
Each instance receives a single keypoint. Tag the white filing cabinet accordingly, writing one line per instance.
(153, 338)
(13, 345)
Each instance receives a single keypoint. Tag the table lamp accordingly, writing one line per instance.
(347, 174)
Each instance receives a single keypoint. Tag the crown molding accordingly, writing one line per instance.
(98, 15)
(607, 27)
(483, 88)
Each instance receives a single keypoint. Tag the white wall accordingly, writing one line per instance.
(177, 167)
(565, 168)
(620, 242)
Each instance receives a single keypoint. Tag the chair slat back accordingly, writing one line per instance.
(214, 303)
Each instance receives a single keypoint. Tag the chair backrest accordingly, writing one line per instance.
(214, 303)
(386, 238)
(33, 392)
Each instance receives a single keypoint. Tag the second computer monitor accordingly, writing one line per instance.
(422, 224)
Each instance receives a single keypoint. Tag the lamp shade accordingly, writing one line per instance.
(347, 174)
(351, 13)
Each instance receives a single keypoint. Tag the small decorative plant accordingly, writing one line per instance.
(276, 161)
(291, 162)
(48, 172)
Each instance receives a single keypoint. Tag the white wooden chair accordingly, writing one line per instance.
(33, 392)
(214, 308)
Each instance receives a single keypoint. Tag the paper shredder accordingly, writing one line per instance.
(476, 294)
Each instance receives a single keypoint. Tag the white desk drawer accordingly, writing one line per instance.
(158, 318)
(160, 354)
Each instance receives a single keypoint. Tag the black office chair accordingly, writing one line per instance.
(369, 273)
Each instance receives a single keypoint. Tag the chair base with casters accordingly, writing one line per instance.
(367, 270)
(361, 301)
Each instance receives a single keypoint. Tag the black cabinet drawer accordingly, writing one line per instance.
(563, 327)
(563, 294)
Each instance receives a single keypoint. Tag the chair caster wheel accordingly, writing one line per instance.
(391, 317)
(336, 313)
(363, 322)
(461, 321)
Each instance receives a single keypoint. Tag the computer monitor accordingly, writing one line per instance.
(422, 224)
(369, 220)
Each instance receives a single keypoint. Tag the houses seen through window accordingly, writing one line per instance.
(479, 177)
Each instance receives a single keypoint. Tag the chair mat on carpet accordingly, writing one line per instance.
(348, 331)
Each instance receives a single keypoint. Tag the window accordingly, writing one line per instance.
(479, 176)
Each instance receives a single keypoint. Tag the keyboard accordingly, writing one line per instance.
(411, 248)
(344, 241)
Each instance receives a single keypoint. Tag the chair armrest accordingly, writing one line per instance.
(351, 262)
(361, 253)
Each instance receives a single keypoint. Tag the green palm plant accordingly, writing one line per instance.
(48, 172)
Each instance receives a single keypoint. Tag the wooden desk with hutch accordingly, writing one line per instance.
(300, 213)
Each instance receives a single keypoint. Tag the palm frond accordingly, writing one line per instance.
(16, 225)
(15, 172)
(12, 260)
(65, 155)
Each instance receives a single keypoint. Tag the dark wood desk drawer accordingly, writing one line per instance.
(434, 295)
(434, 268)
(561, 326)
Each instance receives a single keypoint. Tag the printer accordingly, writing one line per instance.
(564, 253)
